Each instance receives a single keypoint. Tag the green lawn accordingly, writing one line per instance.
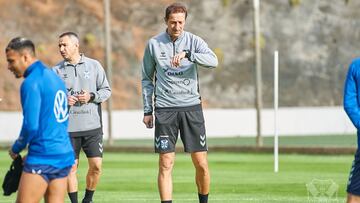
(131, 177)
(344, 140)
(288, 141)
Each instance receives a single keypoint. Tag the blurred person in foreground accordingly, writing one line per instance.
(87, 87)
(170, 72)
(352, 108)
(44, 129)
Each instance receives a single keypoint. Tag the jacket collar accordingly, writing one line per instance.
(66, 63)
(31, 68)
(169, 38)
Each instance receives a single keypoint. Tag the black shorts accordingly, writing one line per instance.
(189, 121)
(353, 186)
(92, 145)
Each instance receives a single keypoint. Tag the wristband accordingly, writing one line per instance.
(92, 96)
(187, 54)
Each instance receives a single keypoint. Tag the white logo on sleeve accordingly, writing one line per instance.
(60, 106)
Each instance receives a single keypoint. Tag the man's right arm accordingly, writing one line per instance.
(351, 104)
(147, 81)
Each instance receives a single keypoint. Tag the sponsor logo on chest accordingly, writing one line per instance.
(162, 56)
(170, 72)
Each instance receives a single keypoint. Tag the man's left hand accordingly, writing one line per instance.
(175, 61)
(12, 154)
(84, 98)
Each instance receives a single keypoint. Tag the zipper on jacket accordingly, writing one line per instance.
(173, 49)
(75, 70)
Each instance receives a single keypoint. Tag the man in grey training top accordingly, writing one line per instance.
(170, 73)
(87, 87)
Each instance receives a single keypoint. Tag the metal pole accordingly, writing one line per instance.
(108, 64)
(259, 140)
(276, 105)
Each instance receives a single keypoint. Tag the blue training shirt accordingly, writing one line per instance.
(352, 95)
(45, 119)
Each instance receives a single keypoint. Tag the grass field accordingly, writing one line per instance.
(131, 177)
(344, 140)
(285, 141)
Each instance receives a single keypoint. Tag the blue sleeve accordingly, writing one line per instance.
(351, 104)
(31, 102)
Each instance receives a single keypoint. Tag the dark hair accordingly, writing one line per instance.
(175, 8)
(19, 44)
(73, 34)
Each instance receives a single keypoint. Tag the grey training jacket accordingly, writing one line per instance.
(174, 87)
(87, 75)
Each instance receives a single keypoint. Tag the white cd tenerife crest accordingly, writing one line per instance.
(60, 106)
